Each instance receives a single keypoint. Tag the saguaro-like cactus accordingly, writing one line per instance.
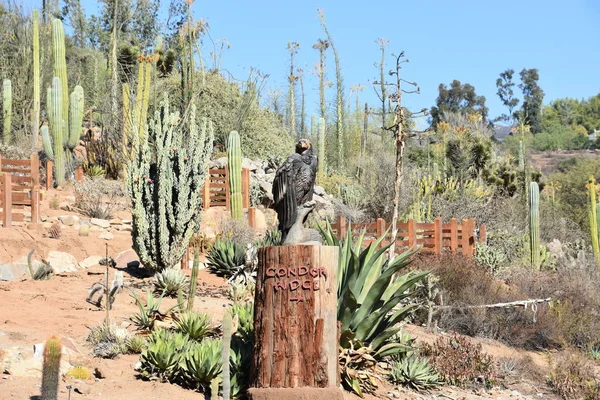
(76, 114)
(534, 223)
(193, 281)
(35, 122)
(593, 213)
(321, 157)
(165, 180)
(51, 368)
(57, 126)
(234, 167)
(7, 110)
(60, 66)
(521, 156)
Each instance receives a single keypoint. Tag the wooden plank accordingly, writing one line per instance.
(206, 194)
(35, 169)
(437, 237)
(453, 236)
(424, 226)
(412, 238)
(482, 234)
(35, 205)
(5, 182)
(22, 180)
(11, 170)
(245, 188)
(252, 217)
(465, 238)
(6, 161)
(342, 227)
(49, 177)
(78, 174)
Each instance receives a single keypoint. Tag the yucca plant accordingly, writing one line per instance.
(224, 257)
(414, 372)
(195, 325)
(169, 281)
(371, 293)
(163, 356)
(202, 363)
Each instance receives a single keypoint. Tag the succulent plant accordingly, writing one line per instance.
(224, 257)
(164, 354)
(234, 167)
(414, 372)
(51, 368)
(195, 325)
(79, 372)
(170, 281)
(202, 362)
(534, 224)
(7, 110)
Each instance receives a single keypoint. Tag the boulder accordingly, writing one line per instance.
(62, 262)
(106, 236)
(90, 262)
(102, 223)
(69, 220)
(219, 163)
(319, 191)
(324, 208)
(32, 368)
(18, 269)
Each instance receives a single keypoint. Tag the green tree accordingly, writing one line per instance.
(458, 98)
(74, 14)
(533, 99)
(505, 91)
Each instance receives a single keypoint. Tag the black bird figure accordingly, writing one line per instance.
(294, 185)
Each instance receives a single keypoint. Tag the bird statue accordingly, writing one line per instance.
(293, 194)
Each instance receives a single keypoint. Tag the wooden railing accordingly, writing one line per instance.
(19, 188)
(216, 189)
(433, 238)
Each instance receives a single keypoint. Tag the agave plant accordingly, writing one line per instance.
(170, 281)
(144, 319)
(202, 362)
(164, 354)
(414, 372)
(371, 293)
(195, 325)
(243, 314)
(225, 256)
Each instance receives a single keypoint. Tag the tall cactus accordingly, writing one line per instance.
(60, 66)
(193, 281)
(234, 167)
(534, 223)
(313, 127)
(35, 123)
(321, 157)
(593, 213)
(521, 156)
(47, 143)
(7, 110)
(225, 354)
(51, 368)
(127, 122)
(58, 129)
(164, 182)
(76, 114)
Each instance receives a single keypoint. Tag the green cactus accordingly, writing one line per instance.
(593, 213)
(313, 127)
(76, 113)
(193, 281)
(36, 79)
(321, 157)
(51, 368)
(521, 156)
(126, 120)
(7, 109)
(60, 68)
(534, 223)
(165, 180)
(47, 143)
(234, 167)
(225, 352)
(57, 128)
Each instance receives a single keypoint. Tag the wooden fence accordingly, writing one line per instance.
(433, 238)
(216, 189)
(19, 188)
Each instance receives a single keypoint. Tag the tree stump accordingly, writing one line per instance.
(295, 320)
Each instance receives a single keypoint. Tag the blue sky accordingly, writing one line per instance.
(469, 40)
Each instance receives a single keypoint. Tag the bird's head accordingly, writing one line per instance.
(302, 145)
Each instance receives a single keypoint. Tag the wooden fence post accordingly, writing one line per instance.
(185, 261)
(453, 235)
(49, 178)
(78, 174)
(464, 224)
(206, 192)
(342, 227)
(245, 188)
(35, 205)
(482, 234)
(437, 235)
(252, 217)
(6, 183)
(380, 231)
(35, 170)
(295, 323)
(412, 233)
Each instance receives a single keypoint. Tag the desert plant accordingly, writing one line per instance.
(109, 340)
(54, 203)
(100, 289)
(202, 363)
(136, 344)
(593, 215)
(164, 354)
(42, 273)
(51, 368)
(489, 257)
(224, 257)
(534, 224)
(148, 313)
(195, 325)
(35, 121)
(164, 182)
(234, 167)
(79, 372)
(170, 281)
(55, 230)
(95, 171)
(98, 197)
(321, 149)
(7, 110)
(226, 346)
(272, 237)
(414, 372)
(193, 281)
(571, 377)
(238, 230)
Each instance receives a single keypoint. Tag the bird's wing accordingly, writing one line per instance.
(284, 192)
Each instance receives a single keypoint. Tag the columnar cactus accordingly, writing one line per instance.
(7, 110)
(193, 281)
(51, 368)
(534, 223)
(55, 114)
(60, 66)
(593, 213)
(313, 127)
(234, 167)
(225, 354)
(521, 156)
(126, 119)
(321, 157)
(36, 79)
(76, 114)
(165, 180)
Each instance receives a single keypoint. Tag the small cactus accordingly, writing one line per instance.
(79, 373)
(534, 223)
(55, 231)
(193, 281)
(234, 166)
(51, 368)
(84, 230)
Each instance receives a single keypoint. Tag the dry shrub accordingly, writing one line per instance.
(98, 197)
(571, 377)
(238, 231)
(458, 361)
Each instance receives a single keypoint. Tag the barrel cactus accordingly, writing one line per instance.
(164, 181)
(234, 167)
(534, 223)
(51, 368)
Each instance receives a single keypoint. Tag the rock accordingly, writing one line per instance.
(95, 228)
(62, 262)
(125, 228)
(35, 227)
(68, 348)
(260, 221)
(325, 208)
(319, 191)
(17, 269)
(251, 165)
(81, 387)
(44, 218)
(219, 163)
(127, 258)
(90, 262)
(69, 220)
(106, 236)
(32, 367)
(102, 223)
(115, 221)
(126, 222)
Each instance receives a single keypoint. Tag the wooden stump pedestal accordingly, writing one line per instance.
(295, 323)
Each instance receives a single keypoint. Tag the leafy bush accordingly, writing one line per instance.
(109, 340)
(164, 354)
(170, 281)
(195, 325)
(572, 377)
(98, 197)
(414, 372)
(489, 257)
(225, 256)
(458, 361)
(238, 231)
